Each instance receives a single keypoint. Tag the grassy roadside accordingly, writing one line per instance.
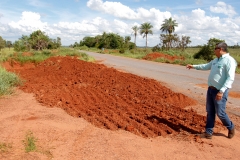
(188, 54)
(9, 80)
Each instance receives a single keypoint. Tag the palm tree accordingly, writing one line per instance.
(145, 29)
(135, 30)
(169, 26)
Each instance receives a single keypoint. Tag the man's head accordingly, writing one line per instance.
(220, 49)
(222, 45)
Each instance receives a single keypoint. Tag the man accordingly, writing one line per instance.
(220, 80)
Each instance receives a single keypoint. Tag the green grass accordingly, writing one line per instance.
(30, 145)
(188, 54)
(138, 53)
(235, 53)
(75, 52)
(30, 142)
(39, 56)
(4, 147)
(8, 80)
(5, 53)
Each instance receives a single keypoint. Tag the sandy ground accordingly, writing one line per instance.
(61, 134)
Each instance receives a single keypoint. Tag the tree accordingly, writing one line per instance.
(54, 43)
(59, 43)
(115, 41)
(145, 29)
(26, 42)
(185, 40)
(19, 45)
(168, 26)
(206, 52)
(110, 41)
(213, 41)
(8, 44)
(106, 40)
(126, 41)
(135, 31)
(88, 41)
(176, 41)
(76, 44)
(2, 43)
(39, 40)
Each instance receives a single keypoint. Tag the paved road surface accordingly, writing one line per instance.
(176, 77)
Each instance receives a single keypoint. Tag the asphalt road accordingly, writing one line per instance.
(176, 77)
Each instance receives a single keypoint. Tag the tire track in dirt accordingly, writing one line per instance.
(109, 98)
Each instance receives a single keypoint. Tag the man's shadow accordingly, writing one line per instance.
(219, 134)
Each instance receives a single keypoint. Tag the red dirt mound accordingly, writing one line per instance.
(155, 55)
(109, 98)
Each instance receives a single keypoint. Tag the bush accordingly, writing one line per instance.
(132, 45)
(156, 48)
(205, 53)
(7, 81)
(122, 50)
(46, 52)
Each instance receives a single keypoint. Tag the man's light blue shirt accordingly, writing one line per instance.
(222, 72)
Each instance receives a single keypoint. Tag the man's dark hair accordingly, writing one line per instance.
(222, 45)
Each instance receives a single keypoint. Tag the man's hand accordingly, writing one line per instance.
(189, 66)
(219, 96)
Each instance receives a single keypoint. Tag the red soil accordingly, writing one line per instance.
(155, 55)
(109, 98)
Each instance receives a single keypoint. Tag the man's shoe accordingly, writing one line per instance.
(231, 133)
(206, 135)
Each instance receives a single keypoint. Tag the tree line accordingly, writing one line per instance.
(114, 41)
(108, 41)
(37, 40)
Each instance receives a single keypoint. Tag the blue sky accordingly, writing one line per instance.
(72, 20)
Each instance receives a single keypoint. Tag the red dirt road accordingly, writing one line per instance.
(109, 98)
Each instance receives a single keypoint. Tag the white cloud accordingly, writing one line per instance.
(113, 8)
(30, 21)
(201, 27)
(222, 7)
(121, 27)
(98, 21)
(78, 27)
(197, 24)
(119, 10)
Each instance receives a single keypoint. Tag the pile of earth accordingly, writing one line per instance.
(155, 55)
(109, 98)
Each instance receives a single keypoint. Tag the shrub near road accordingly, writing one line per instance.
(7, 81)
